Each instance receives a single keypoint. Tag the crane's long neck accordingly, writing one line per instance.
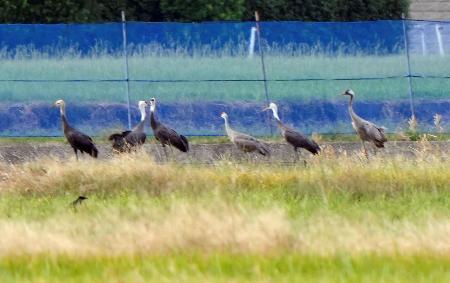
(277, 118)
(228, 129)
(62, 111)
(141, 124)
(350, 109)
(143, 113)
(153, 121)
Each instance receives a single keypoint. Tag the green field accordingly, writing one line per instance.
(149, 66)
(341, 218)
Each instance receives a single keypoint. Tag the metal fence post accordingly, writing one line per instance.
(263, 66)
(410, 88)
(127, 74)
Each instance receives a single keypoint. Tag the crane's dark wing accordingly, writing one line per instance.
(298, 140)
(135, 138)
(81, 142)
(169, 136)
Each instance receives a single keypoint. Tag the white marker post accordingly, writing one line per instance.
(424, 44)
(251, 45)
(439, 39)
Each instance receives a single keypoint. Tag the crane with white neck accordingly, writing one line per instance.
(164, 134)
(292, 137)
(128, 140)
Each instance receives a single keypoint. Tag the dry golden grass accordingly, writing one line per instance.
(336, 204)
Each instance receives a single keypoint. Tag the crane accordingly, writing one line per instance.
(77, 140)
(292, 137)
(244, 142)
(366, 130)
(164, 134)
(125, 141)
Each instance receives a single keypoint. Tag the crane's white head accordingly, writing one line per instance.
(62, 105)
(59, 103)
(274, 108)
(142, 104)
(224, 115)
(348, 92)
(152, 103)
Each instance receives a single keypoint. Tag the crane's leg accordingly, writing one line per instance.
(297, 157)
(165, 152)
(76, 153)
(364, 149)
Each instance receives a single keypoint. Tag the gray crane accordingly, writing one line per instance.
(366, 130)
(294, 138)
(244, 142)
(127, 140)
(164, 134)
(77, 140)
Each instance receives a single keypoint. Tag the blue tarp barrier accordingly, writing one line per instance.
(198, 70)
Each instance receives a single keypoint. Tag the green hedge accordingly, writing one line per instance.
(55, 11)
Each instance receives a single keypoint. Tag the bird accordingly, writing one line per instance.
(294, 138)
(77, 140)
(164, 134)
(244, 142)
(79, 200)
(366, 130)
(127, 140)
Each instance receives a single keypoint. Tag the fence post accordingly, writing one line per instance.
(263, 66)
(439, 39)
(127, 74)
(410, 88)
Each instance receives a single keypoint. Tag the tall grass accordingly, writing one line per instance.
(361, 220)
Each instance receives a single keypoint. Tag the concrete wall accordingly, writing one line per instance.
(430, 9)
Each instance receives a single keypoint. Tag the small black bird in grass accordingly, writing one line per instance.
(79, 200)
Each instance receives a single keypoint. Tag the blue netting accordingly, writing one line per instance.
(196, 71)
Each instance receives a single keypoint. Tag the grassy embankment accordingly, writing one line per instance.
(340, 219)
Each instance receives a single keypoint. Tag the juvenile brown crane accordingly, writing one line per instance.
(164, 134)
(77, 140)
(294, 138)
(128, 140)
(366, 130)
(242, 141)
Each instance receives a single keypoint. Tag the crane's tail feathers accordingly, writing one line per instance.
(264, 149)
(181, 143)
(315, 148)
(379, 144)
(186, 142)
(94, 151)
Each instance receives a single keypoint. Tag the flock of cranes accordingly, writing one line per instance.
(129, 140)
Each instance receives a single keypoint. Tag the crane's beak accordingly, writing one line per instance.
(265, 109)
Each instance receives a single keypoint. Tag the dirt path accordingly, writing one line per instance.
(208, 153)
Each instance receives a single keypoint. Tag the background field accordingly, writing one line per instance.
(173, 67)
(188, 102)
(341, 216)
